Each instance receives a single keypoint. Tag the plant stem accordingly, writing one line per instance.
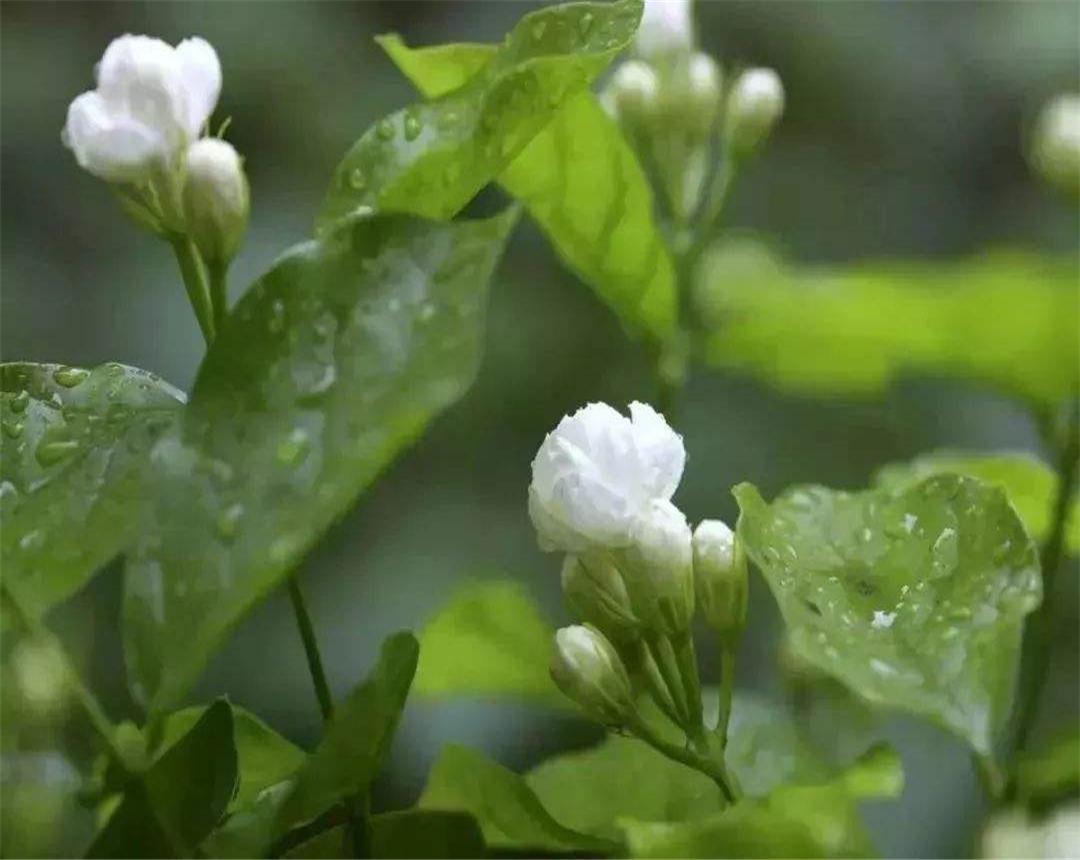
(715, 770)
(1041, 626)
(657, 687)
(664, 657)
(219, 294)
(193, 272)
(91, 707)
(727, 688)
(686, 660)
(311, 649)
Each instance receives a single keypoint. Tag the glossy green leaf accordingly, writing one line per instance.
(327, 368)
(357, 739)
(581, 181)
(264, 757)
(74, 445)
(432, 158)
(438, 69)
(1030, 484)
(591, 790)
(509, 813)
(1046, 776)
(174, 804)
(1008, 320)
(489, 640)
(425, 833)
(915, 599)
(793, 821)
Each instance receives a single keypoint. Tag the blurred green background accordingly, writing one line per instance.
(903, 137)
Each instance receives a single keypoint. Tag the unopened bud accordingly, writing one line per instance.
(595, 592)
(588, 669)
(216, 199)
(703, 75)
(666, 29)
(634, 90)
(1055, 151)
(754, 105)
(658, 570)
(720, 577)
(40, 674)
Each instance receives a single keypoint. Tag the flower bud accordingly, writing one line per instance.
(634, 90)
(216, 199)
(595, 592)
(658, 571)
(1055, 150)
(588, 669)
(40, 675)
(754, 105)
(666, 29)
(720, 577)
(704, 77)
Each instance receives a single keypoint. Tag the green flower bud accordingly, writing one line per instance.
(634, 90)
(216, 200)
(40, 675)
(595, 592)
(1055, 149)
(588, 669)
(658, 571)
(720, 577)
(754, 105)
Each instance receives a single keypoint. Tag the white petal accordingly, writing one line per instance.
(117, 151)
(660, 448)
(201, 73)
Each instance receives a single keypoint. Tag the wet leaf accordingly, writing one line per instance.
(74, 445)
(915, 600)
(1008, 320)
(431, 158)
(330, 365)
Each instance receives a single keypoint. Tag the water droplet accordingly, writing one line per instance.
(49, 452)
(69, 377)
(357, 179)
(20, 401)
(32, 540)
(385, 130)
(413, 127)
(8, 491)
(427, 311)
(585, 24)
(277, 317)
(294, 448)
(228, 521)
(538, 30)
(13, 429)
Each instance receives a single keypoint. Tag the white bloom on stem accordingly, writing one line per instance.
(598, 472)
(658, 568)
(216, 199)
(152, 100)
(754, 105)
(667, 27)
(588, 669)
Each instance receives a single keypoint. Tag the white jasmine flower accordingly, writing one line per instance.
(598, 472)
(151, 101)
(588, 669)
(658, 570)
(216, 199)
(755, 104)
(882, 620)
(667, 27)
(720, 577)
(1056, 144)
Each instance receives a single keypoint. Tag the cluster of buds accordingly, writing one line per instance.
(142, 129)
(673, 103)
(634, 573)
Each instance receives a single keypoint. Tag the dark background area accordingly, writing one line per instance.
(903, 137)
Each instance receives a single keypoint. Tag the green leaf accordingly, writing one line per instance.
(582, 183)
(432, 158)
(1047, 776)
(915, 600)
(591, 790)
(1008, 320)
(793, 821)
(169, 809)
(509, 813)
(327, 368)
(425, 833)
(264, 757)
(357, 738)
(1029, 483)
(489, 640)
(74, 445)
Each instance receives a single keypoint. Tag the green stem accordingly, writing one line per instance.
(311, 649)
(193, 272)
(219, 294)
(715, 770)
(1040, 629)
(657, 687)
(686, 660)
(664, 657)
(727, 689)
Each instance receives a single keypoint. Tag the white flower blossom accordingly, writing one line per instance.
(755, 104)
(216, 199)
(152, 100)
(658, 568)
(667, 27)
(598, 472)
(1056, 143)
(634, 89)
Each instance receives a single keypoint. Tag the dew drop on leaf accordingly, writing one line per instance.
(13, 429)
(52, 451)
(385, 130)
(294, 447)
(357, 179)
(413, 127)
(228, 521)
(538, 30)
(32, 540)
(69, 377)
(20, 401)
